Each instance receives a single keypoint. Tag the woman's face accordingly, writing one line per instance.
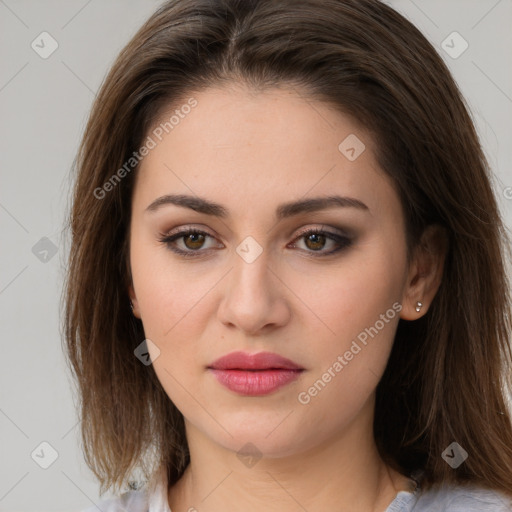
(257, 281)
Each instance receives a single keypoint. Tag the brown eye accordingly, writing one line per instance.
(196, 240)
(189, 242)
(315, 241)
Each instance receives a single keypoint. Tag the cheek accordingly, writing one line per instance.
(349, 365)
(351, 294)
(361, 307)
(168, 293)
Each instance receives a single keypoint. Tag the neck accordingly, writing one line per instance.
(345, 474)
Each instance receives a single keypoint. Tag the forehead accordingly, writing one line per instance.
(238, 116)
(257, 147)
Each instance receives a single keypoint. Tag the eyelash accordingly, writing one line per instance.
(343, 241)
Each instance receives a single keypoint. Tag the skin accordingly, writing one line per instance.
(251, 151)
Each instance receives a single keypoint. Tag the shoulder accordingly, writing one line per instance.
(130, 501)
(148, 496)
(462, 499)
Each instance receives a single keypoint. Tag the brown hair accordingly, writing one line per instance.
(448, 373)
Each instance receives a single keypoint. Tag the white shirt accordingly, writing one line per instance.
(153, 498)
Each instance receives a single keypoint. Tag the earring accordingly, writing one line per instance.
(131, 305)
(419, 305)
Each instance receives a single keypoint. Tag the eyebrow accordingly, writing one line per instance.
(283, 211)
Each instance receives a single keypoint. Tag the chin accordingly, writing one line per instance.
(265, 438)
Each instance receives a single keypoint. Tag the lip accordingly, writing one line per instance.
(259, 361)
(256, 374)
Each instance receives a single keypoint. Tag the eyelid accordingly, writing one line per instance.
(180, 232)
(325, 229)
(301, 232)
(187, 227)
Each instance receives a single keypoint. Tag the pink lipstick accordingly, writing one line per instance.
(254, 375)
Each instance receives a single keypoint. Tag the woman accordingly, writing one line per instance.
(287, 286)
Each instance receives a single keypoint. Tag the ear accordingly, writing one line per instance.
(425, 272)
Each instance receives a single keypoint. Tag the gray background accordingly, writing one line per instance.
(44, 104)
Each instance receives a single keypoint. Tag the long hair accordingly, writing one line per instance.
(449, 373)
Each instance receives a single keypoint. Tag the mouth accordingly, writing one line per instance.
(254, 375)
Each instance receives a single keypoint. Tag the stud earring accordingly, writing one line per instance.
(419, 305)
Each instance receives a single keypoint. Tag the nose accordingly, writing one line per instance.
(255, 298)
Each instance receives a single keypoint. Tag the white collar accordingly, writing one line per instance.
(157, 492)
